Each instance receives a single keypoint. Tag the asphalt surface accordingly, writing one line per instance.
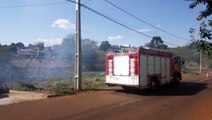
(191, 100)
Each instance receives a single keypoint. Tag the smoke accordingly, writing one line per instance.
(37, 63)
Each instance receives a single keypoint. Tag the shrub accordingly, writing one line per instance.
(3, 89)
(24, 87)
(61, 89)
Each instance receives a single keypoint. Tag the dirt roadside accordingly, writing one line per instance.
(20, 96)
(23, 96)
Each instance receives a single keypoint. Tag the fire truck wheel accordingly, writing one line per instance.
(129, 88)
(154, 85)
(176, 80)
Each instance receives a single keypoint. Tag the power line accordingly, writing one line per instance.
(115, 21)
(111, 19)
(130, 14)
(87, 2)
(121, 24)
(57, 3)
(32, 5)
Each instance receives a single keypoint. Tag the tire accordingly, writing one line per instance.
(110, 85)
(129, 88)
(154, 85)
(177, 79)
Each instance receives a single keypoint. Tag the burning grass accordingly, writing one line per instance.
(62, 86)
(60, 89)
(24, 86)
(90, 81)
(94, 81)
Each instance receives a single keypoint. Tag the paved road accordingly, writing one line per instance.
(191, 100)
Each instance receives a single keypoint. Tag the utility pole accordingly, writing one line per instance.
(78, 67)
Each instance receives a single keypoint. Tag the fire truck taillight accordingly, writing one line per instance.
(136, 65)
(109, 65)
(132, 67)
(133, 64)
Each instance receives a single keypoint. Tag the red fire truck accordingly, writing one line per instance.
(144, 68)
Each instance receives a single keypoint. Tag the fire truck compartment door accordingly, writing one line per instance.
(121, 65)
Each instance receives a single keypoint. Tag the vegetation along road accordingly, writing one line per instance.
(191, 100)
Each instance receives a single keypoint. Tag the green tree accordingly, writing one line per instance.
(66, 52)
(40, 45)
(105, 46)
(20, 45)
(205, 30)
(5, 54)
(89, 55)
(115, 48)
(15, 46)
(100, 61)
(156, 43)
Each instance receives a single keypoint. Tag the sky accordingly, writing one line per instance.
(49, 21)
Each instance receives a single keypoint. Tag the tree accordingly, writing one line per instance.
(105, 46)
(66, 50)
(40, 45)
(89, 55)
(5, 54)
(115, 48)
(15, 46)
(100, 61)
(20, 45)
(156, 43)
(205, 31)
